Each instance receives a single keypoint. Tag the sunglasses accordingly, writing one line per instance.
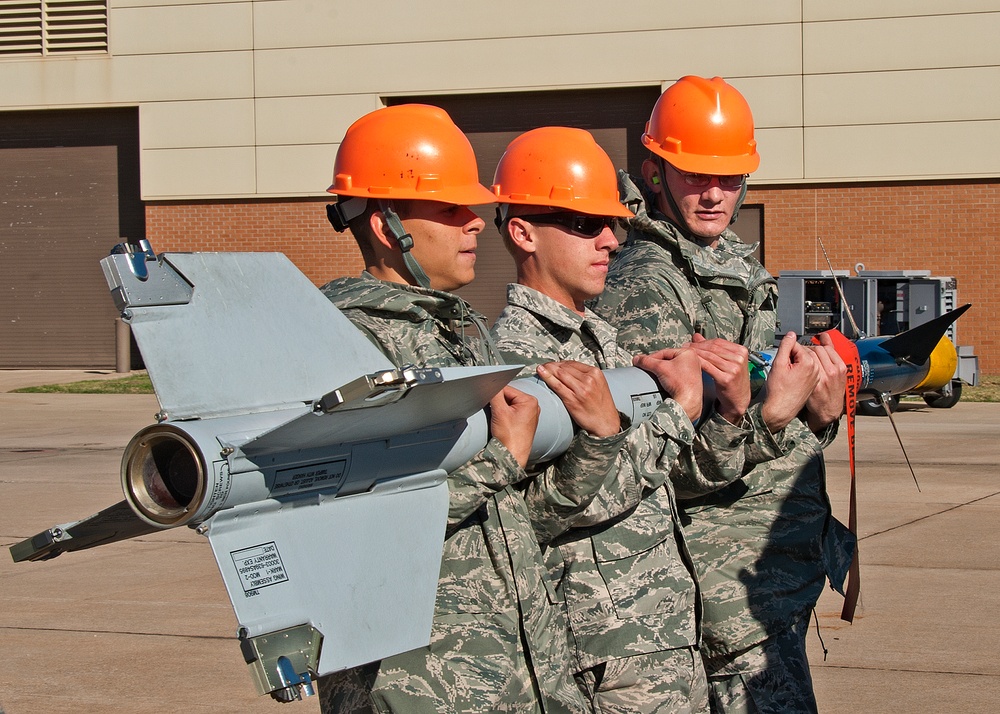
(579, 223)
(703, 180)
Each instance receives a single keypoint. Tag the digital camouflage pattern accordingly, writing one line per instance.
(498, 643)
(624, 572)
(655, 683)
(770, 678)
(763, 546)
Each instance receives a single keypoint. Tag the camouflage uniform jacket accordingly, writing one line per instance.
(624, 574)
(494, 597)
(765, 545)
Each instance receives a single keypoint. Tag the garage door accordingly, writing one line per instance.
(69, 189)
(616, 118)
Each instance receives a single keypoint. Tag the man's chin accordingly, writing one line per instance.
(708, 232)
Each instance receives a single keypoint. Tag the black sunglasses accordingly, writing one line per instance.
(579, 223)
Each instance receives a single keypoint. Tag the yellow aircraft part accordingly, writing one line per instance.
(941, 367)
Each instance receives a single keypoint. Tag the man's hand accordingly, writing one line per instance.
(793, 377)
(679, 373)
(728, 364)
(513, 420)
(585, 393)
(826, 403)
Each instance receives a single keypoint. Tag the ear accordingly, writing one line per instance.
(522, 235)
(651, 171)
(381, 233)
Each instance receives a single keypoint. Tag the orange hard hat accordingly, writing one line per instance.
(703, 126)
(559, 167)
(408, 151)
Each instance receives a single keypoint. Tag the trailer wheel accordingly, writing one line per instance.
(871, 406)
(938, 400)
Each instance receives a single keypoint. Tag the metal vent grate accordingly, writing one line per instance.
(53, 27)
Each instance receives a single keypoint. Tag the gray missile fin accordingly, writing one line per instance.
(115, 523)
(251, 334)
(445, 394)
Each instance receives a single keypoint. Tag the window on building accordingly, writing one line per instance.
(53, 27)
(749, 227)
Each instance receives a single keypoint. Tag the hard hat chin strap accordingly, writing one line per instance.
(405, 241)
(502, 210)
(739, 201)
(678, 217)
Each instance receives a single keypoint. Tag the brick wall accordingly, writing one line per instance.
(950, 229)
(297, 228)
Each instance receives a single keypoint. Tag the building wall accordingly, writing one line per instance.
(297, 228)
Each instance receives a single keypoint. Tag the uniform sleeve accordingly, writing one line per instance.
(764, 445)
(378, 333)
(716, 458)
(829, 434)
(560, 495)
(645, 463)
(474, 482)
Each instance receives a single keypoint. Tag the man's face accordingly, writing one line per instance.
(444, 242)
(706, 210)
(570, 266)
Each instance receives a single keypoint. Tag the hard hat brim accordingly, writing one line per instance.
(475, 195)
(701, 164)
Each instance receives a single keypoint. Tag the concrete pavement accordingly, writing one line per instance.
(145, 625)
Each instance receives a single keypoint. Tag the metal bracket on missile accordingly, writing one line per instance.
(138, 253)
(139, 278)
(360, 392)
(281, 662)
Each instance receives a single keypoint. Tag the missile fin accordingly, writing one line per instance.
(456, 394)
(115, 523)
(915, 346)
(253, 334)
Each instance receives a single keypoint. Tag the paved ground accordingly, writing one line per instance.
(145, 626)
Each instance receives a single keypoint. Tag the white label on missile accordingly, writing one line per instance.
(327, 475)
(643, 406)
(259, 566)
(221, 485)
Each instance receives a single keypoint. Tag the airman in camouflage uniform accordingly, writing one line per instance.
(764, 546)
(498, 644)
(623, 573)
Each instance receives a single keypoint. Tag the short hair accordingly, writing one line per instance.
(361, 227)
(513, 210)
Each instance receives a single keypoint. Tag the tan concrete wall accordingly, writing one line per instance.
(242, 99)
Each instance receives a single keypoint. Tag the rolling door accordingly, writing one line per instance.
(69, 189)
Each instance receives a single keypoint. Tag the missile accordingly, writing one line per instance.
(315, 468)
